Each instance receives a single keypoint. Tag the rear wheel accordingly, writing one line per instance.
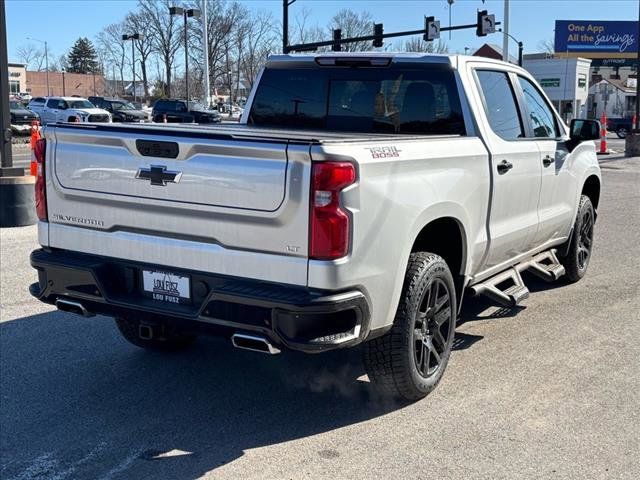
(621, 132)
(156, 337)
(578, 254)
(410, 359)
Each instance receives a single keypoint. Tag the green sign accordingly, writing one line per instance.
(550, 82)
(582, 81)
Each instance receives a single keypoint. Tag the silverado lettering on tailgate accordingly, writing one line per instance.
(92, 222)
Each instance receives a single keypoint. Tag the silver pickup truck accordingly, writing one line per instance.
(359, 200)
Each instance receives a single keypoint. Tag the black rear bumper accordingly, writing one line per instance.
(298, 318)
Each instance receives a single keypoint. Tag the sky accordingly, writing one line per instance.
(61, 22)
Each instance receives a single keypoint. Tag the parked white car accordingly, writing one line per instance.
(68, 109)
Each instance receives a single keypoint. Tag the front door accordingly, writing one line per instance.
(558, 187)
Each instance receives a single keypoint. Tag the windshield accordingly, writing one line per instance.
(16, 106)
(397, 99)
(122, 106)
(198, 107)
(80, 104)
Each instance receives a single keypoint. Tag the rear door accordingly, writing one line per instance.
(515, 165)
(558, 185)
(50, 111)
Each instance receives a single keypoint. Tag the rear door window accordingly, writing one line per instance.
(500, 104)
(397, 100)
(53, 103)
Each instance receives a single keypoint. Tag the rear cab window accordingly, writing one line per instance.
(500, 104)
(422, 100)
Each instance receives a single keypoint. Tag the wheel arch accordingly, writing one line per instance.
(445, 236)
(591, 188)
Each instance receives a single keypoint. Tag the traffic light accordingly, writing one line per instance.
(377, 33)
(431, 29)
(486, 23)
(337, 36)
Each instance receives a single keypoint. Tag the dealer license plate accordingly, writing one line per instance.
(166, 286)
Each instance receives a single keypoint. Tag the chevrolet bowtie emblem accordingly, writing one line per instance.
(158, 174)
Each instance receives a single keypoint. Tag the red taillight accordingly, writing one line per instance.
(329, 224)
(39, 152)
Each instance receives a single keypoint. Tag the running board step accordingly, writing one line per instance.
(546, 266)
(511, 296)
(507, 288)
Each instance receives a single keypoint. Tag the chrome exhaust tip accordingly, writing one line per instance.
(73, 307)
(254, 343)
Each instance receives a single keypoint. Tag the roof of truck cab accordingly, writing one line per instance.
(456, 61)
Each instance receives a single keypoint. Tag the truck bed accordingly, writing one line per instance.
(247, 132)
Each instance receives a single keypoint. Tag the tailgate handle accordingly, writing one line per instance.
(157, 148)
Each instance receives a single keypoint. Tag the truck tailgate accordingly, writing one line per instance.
(187, 200)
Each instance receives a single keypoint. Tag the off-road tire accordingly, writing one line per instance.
(164, 338)
(575, 262)
(391, 360)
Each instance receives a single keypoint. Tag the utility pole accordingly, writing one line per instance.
(505, 28)
(205, 47)
(285, 25)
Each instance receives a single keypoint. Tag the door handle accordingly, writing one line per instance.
(546, 161)
(504, 167)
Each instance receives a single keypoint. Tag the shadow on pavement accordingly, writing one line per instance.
(80, 402)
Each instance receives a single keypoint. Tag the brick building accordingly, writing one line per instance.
(65, 84)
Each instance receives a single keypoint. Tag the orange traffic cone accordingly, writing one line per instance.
(35, 136)
(603, 135)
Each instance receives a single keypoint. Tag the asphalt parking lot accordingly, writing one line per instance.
(551, 390)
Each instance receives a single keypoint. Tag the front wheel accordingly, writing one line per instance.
(621, 132)
(580, 246)
(410, 359)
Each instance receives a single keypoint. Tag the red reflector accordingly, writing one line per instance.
(329, 223)
(39, 152)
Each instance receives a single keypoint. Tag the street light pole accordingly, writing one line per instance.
(205, 48)
(520, 45)
(191, 12)
(133, 37)
(46, 60)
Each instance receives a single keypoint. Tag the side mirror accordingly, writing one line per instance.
(581, 130)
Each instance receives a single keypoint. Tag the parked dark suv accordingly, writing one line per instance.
(121, 110)
(176, 111)
(621, 126)
(20, 115)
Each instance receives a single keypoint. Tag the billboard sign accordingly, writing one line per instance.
(596, 39)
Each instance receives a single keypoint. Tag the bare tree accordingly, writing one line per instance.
(31, 56)
(302, 31)
(137, 23)
(417, 44)
(112, 49)
(547, 46)
(353, 24)
(258, 40)
(165, 30)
